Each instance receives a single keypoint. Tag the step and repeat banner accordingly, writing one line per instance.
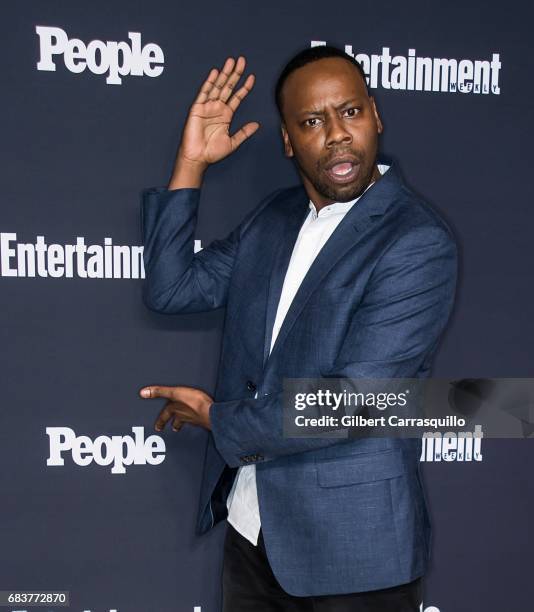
(94, 94)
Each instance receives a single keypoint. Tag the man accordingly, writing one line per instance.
(348, 276)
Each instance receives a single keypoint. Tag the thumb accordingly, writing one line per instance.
(242, 134)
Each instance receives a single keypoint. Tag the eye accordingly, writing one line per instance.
(312, 121)
(353, 111)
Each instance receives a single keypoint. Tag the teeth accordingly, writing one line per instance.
(342, 169)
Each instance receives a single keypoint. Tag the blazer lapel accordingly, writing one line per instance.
(298, 210)
(350, 230)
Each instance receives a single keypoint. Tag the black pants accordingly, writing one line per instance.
(249, 585)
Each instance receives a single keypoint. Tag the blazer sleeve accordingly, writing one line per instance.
(177, 280)
(392, 334)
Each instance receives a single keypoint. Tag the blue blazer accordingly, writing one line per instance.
(338, 516)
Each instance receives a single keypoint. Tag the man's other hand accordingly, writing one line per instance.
(184, 405)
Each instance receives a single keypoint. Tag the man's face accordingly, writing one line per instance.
(331, 126)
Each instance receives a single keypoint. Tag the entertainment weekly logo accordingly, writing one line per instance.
(75, 260)
(462, 446)
(114, 58)
(413, 72)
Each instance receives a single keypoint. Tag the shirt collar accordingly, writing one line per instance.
(342, 207)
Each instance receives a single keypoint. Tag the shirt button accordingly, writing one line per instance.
(251, 386)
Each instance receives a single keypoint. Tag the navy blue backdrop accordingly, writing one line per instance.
(93, 99)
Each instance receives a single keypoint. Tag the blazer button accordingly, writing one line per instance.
(251, 386)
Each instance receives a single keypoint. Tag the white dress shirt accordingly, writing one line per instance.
(242, 503)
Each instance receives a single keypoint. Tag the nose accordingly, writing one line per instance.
(336, 132)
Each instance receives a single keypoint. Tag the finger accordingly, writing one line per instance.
(157, 391)
(245, 132)
(230, 84)
(177, 423)
(163, 418)
(240, 94)
(207, 86)
(221, 79)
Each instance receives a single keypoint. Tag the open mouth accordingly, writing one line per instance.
(343, 171)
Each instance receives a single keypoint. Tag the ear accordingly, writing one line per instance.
(380, 127)
(288, 149)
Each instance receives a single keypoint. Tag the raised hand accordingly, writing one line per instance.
(206, 137)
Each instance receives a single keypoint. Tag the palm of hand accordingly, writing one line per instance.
(209, 131)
